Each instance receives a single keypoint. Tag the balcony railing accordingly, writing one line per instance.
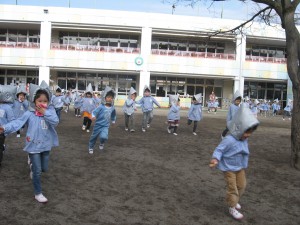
(265, 59)
(193, 54)
(6, 44)
(94, 48)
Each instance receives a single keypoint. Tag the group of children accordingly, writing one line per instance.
(41, 114)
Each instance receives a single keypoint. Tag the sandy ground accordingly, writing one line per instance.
(152, 178)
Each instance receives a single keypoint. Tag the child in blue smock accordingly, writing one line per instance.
(41, 137)
(129, 108)
(77, 104)
(233, 108)
(231, 157)
(146, 103)
(58, 101)
(21, 104)
(195, 112)
(102, 115)
(174, 114)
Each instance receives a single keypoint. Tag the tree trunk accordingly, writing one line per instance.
(293, 59)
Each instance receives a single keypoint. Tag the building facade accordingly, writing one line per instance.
(70, 48)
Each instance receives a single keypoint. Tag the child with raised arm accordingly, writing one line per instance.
(102, 115)
(195, 112)
(40, 138)
(233, 108)
(146, 103)
(58, 101)
(231, 157)
(129, 108)
(174, 114)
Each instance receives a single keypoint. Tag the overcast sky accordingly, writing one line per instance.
(230, 9)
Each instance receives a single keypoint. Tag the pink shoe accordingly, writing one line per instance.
(41, 198)
(238, 206)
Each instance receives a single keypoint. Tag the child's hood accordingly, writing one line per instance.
(173, 99)
(146, 87)
(21, 89)
(33, 88)
(132, 91)
(89, 88)
(236, 95)
(104, 93)
(198, 98)
(243, 120)
(7, 93)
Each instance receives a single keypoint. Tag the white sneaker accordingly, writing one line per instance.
(18, 135)
(169, 131)
(41, 198)
(175, 134)
(132, 130)
(101, 146)
(194, 133)
(91, 151)
(83, 127)
(88, 131)
(143, 129)
(126, 129)
(148, 125)
(235, 214)
(238, 206)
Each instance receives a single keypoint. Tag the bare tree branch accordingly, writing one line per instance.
(243, 24)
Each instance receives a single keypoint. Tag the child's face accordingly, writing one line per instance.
(178, 103)
(88, 95)
(57, 93)
(237, 101)
(246, 135)
(147, 93)
(133, 96)
(42, 100)
(21, 97)
(109, 99)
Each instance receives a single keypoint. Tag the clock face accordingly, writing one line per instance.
(138, 61)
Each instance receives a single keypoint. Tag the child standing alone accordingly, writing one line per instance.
(146, 103)
(231, 156)
(195, 112)
(128, 109)
(40, 138)
(174, 114)
(103, 115)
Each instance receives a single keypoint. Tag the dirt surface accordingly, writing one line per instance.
(152, 178)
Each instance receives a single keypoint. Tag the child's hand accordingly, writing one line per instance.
(213, 163)
(1, 130)
(40, 109)
(93, 118)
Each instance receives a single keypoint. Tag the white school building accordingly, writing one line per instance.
(172, 54)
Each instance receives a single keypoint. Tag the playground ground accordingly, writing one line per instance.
(151, 178)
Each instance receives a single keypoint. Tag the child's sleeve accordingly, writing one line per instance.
(140, 102)
(10, 114)
(155, 102)
(221, 148)
(51, 117)
(17, 124)
(96, 112)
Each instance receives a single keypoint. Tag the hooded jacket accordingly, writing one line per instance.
(146, 102)
(233, 153)
(174, 112)
(19, 108)
(233, 108)
(195, 111)
(129, 106)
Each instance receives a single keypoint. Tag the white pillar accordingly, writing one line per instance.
(45, 37)
(145, 53)
(240, 58)
(44, 74)
(144, 80)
